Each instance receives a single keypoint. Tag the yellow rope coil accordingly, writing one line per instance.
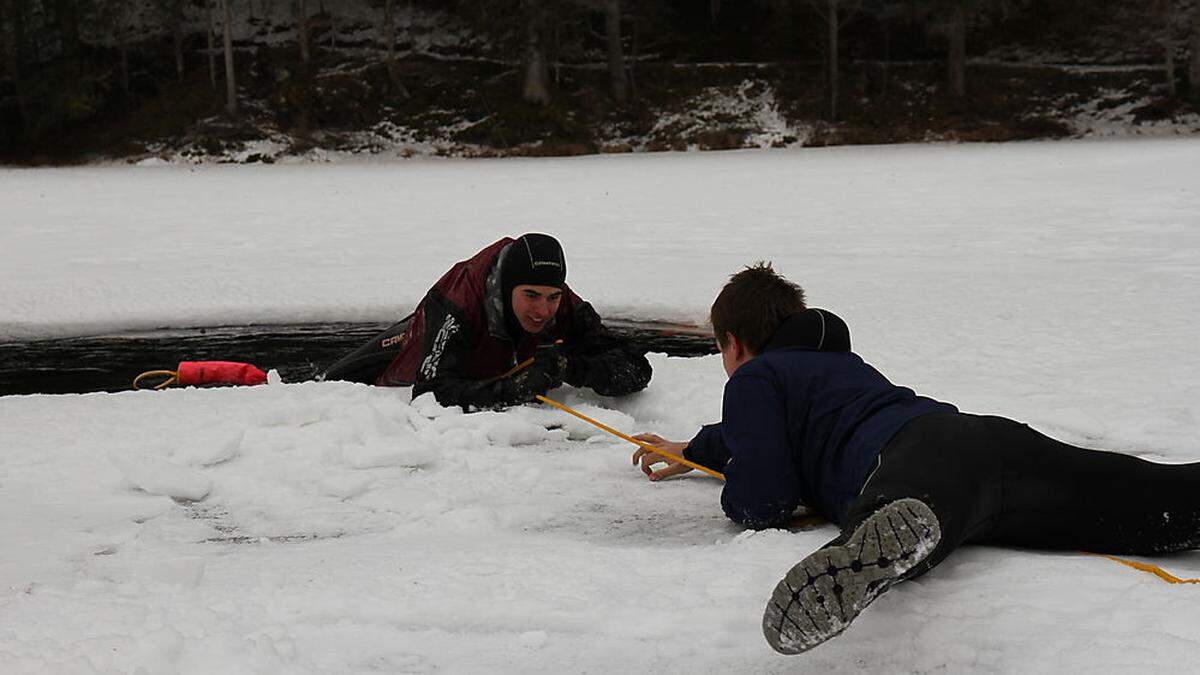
(171, 375)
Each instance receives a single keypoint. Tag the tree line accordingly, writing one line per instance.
(49, 46)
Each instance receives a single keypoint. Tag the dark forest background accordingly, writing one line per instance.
(82, 79)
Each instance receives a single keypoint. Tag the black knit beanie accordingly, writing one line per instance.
(535, 259)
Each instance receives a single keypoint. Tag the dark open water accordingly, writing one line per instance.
(298, 352)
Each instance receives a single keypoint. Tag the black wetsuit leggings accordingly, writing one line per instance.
(991, 480)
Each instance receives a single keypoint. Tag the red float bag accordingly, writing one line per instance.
(200, 373)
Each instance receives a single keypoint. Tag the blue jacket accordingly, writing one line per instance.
(802, 426)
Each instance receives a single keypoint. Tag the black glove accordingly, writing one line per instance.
(616, 372)
(554, 360)
(547, 371)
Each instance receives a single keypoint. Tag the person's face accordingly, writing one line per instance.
(733, 354)
(534, 306)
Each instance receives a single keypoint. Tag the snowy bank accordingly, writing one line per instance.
(347, 530)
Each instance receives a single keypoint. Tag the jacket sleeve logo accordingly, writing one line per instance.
(430, 363)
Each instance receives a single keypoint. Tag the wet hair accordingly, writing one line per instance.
(753, 305)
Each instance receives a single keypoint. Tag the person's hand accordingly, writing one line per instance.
(545, 373)
(648, 458)
(552, 360)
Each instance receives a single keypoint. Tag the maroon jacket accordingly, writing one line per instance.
(457, 343)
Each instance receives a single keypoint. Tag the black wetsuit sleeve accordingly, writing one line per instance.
(602, 361)
(707, 448)
(445, 348)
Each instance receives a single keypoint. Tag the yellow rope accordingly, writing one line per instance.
(511, 371)
(1152, 569)
(800, 521)
(171, 375)
(656, 450)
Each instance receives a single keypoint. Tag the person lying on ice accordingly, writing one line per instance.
(908, 479)
(506, 304)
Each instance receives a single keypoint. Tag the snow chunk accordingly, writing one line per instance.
(427, 405)
(160, 477)
(534, 639)
(510, 430)
(180, 572)
(380, 452)
(159, 651)
(291, 416)
(208, 452)
(346, 487)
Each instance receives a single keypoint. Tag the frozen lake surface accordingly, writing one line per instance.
(337, 528)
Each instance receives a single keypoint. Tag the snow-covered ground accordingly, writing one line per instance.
(339, 528)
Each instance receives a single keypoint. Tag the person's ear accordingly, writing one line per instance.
(732, 345)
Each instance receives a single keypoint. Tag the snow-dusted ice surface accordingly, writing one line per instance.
(340, 528)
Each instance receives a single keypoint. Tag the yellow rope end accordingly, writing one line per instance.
(1151, 569)
(171, 375)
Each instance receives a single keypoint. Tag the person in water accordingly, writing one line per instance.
(471, 339)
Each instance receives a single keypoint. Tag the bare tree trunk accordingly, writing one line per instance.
(1172, 88)
(177, 34)
(957, 59)
(333, 29)
(887, 61)
(389, 28)
(230, 77)
(212, 46)
(6, 141)
(14, 47)
(120, 15)
(616, 53)
(557, 52)
(633, 58)
(833, 59)
(1166, 10)
(389, 31)
(302, 31)
(125, 70)
(4, 33)
(536, 87)
(67, 16)
(1194, 40)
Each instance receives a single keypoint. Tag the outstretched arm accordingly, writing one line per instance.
(600, 360)
(706, 449)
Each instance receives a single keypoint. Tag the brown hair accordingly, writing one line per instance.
(753, 305)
